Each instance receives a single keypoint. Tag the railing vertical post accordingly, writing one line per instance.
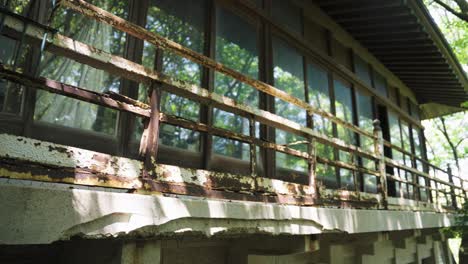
(313, 166)
(452, 189)
(253, 149)
(149, 139)
(462, 182)
(379, 152)
(436, 186)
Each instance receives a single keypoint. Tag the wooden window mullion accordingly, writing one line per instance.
(206, 111)
(39, 14)
(134, 52)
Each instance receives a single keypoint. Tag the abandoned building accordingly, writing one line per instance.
(224, 131)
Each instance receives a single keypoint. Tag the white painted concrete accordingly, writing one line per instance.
(34, 214)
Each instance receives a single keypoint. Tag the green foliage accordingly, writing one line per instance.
(61, 110)
(439, 149)
(460, 229)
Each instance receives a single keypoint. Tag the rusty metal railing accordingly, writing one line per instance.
(61, 45)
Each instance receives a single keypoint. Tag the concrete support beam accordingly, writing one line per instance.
(141, 252)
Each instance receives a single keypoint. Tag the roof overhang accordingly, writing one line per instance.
(404, 37)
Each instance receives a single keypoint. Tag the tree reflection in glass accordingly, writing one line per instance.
(344, 111)
(70, 112)
(319, 97)
(288, 73)
(236, 48)
(181, 21)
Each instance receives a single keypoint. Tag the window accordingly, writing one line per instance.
(316, 35)
(183, 22)
(380, 84)
(393, 94)
(414, 109)
(319, 97)
(236, 49)
(65, 111)
(288, 73)
(365, 121)
(344, 111)
(362, 70)
(14, 55)
(399, 133)
(395, 138)
(11, 94)
(406, 140)
(418, 152)
(341, 53)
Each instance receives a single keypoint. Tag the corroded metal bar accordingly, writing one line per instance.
(150, 142)
(452, 189)
(379, 150)
(253, 149)
(139, 32)
(72, 91)
(89, 55)
(393, 163)
(312, 146)
(142, 109)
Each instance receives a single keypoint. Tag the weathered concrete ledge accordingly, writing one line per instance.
(34, 212)
(30, 159)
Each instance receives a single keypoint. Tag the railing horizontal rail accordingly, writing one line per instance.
(121, 24)
(142, 109)
(78, 51)
(17, 27)
(412, 155)
(419, 173)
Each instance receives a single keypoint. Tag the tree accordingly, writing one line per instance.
(458, 8)
(448, 140)
(447, 136)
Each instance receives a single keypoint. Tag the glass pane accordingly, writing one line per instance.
(288, 74)
(344, 110)
(395, 136)
(69, 112)
(417, 142)
(347, 180)
(234, 123)
(181, 21)
(380, 84)
(365, 113)
(177, 106)
(370, 183)
(11, 94)
(236, 49)
(231, 148)
(341, 53)
(287, 14)
(179, 137)
(65, 111)
(91, 32)
(319, 96)
(414, 110)
(362, 69)
(291, 162)
(292, 141)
